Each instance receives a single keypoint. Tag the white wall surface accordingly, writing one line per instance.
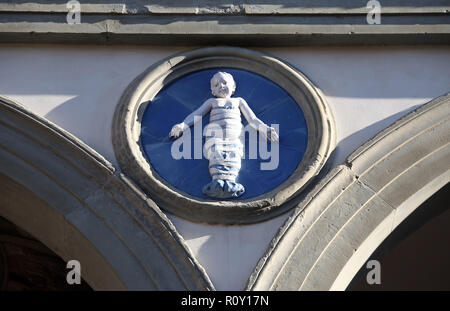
(78, 87)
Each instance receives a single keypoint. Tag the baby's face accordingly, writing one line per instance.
(222, 86)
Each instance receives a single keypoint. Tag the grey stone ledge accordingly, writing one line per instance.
(208, 8)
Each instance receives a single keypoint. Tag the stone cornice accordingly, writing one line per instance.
(256, 23)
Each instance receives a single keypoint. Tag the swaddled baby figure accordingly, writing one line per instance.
(223, 146)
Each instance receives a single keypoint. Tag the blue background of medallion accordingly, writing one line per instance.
(270, 103)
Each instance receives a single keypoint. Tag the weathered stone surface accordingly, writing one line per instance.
(321, 234)
(204, 7)
(297, 226)
(402, 132)
(255, 23)
(345, 243)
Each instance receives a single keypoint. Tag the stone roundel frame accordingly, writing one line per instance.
(129, 153)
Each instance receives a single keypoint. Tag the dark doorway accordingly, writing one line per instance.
(27, 264)
(416, 256)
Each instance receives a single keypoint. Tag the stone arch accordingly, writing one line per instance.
(71, 199)
(343, 219)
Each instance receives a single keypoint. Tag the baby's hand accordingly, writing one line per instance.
(176, 131)
(272, 135)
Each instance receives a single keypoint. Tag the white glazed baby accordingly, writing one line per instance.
(223, 147)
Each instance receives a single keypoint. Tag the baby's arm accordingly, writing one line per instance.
(267, 131)
(178, 129)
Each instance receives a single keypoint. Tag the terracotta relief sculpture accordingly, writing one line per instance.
(223, 135)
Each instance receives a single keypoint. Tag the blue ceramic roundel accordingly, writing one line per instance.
(269, 102)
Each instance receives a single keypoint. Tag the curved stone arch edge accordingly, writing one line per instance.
(426, 118)
(149, 220)
(130, 154)
(386, 227)
(103, 276)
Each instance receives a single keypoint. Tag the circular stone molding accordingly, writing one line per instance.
(126, 131)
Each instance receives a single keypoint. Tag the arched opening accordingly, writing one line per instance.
(416, 254)
(356, 206)
(74, 202)
(27, 264)
(28, 216)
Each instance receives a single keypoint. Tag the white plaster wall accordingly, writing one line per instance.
(77, 87)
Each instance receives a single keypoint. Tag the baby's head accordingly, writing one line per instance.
(222, 85)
